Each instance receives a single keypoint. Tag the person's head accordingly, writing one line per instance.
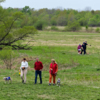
(85, 41)
(24, 59)
(37, 59)
(53, 61)
(79, 44)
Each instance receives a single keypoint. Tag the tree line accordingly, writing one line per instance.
(57, 17)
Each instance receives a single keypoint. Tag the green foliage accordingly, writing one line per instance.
(86, 27)
(75, 26)
(9, 31)
(2, 1)
(39, 25)
(61, 21)
(92, 22)
(7, 55)
(97, 30)
(54, 28)
(56, 16)
(26, 9)
(53, 22)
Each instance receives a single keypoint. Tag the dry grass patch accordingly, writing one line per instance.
(46, 97)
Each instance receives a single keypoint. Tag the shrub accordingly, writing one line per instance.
(39, 25)
(86, 27)
(53, 22)
(8, 56)
(97, 30)
(75, 26)
(54, 28)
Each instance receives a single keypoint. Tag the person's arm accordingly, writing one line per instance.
(21, 66)
(88, 44)
(50, 68)
(26, 65)
(34, 66)
(56, 68)
(41, 65)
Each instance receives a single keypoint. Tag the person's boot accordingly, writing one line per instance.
(22, 81)
(53, 84)
(49, 84)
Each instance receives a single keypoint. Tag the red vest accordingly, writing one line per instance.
(54, 67)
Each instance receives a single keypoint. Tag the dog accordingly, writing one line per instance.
(7, 79)
(58, 82)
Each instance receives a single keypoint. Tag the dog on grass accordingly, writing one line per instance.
(58, 82)
(7, 79)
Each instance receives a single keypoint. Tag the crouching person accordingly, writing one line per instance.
(24, 66)
(53, 71)
(38, 66)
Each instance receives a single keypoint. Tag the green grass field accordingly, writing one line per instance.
(80, 74)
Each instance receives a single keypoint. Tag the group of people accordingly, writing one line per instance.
(38, 66)
(82, 48)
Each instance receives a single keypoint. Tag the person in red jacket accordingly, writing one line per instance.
(53, 71)
(38, 66)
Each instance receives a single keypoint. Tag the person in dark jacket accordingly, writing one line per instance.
(83, 48)
(38, 66)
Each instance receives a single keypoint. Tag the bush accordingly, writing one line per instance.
(97, 30)
(75, 26)
(53, 22)
(54, 28)
(86, 27)
(39, 25)
(8, 56)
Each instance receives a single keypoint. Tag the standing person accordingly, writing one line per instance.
(85, 44)
(79, 48)
(83, 48)
(38, 66)
(53, 71)
(24, 66)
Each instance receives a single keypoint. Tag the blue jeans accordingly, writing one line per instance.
(40, 76)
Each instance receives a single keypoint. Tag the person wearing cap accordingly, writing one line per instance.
(38, 66)
(24, 66)
(79, 48)
(53, 71)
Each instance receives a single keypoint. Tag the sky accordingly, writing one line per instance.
(62, 4)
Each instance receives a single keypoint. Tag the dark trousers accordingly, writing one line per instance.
(84, 50)
(40, 76)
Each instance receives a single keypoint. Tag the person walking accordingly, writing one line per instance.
(24, 66)
(38, 66)
(53, 71)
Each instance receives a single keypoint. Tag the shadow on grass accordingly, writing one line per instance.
(98, 69)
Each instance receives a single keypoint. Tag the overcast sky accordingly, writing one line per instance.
(38, 4)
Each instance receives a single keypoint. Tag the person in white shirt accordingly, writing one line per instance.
(24, 66)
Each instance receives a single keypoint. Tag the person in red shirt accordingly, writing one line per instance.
(38, 66)
(53, 71)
